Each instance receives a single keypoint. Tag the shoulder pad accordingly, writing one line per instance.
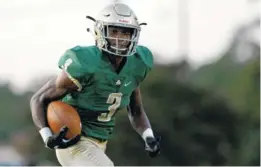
(145, 54)
(84, 59)
(88, 56)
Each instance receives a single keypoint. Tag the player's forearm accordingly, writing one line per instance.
(137, 115)
(139, 120)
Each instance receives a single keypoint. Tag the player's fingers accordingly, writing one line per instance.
(63, 132)
(158, 138)
(64, 128)
(154, 154)
(151, 142)
(73, 140)
(70, 142)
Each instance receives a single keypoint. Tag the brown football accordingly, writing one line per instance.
(60, 114)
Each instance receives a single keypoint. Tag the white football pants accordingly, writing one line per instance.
(87, 152)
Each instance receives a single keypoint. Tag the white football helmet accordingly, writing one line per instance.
(118, 15)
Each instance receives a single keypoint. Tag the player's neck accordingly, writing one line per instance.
(115, 60)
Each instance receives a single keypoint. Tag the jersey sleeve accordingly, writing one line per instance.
(147, 59)
(75, 66)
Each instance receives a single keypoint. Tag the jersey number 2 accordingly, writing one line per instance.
(115, 100)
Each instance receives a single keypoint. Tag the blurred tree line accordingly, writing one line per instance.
(208, 116)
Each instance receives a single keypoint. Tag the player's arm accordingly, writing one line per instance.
(141, 124)
(54, 89)
(137, 115)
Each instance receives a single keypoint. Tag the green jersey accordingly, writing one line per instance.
(101, 90)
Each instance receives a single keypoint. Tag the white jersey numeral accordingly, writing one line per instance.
(115, 100)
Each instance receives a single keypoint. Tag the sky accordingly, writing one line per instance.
(35, 33)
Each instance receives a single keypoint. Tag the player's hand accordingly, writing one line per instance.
(59, 141)
(152, 145)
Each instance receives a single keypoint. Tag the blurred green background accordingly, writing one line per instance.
(206, 116)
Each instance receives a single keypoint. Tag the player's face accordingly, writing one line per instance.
(119, 32)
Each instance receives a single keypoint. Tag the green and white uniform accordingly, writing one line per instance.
(102, 91)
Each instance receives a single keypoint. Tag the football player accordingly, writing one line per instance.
(99, 81)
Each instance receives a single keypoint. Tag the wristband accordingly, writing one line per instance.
(45, 133)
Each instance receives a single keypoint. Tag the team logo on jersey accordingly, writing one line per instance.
(126, 84)
(118, 83)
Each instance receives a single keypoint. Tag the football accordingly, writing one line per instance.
(60, 114)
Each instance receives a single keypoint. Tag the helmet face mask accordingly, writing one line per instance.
(118, 40)
(117, 30)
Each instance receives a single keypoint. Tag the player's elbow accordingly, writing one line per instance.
(33, 101)
(36, 100)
